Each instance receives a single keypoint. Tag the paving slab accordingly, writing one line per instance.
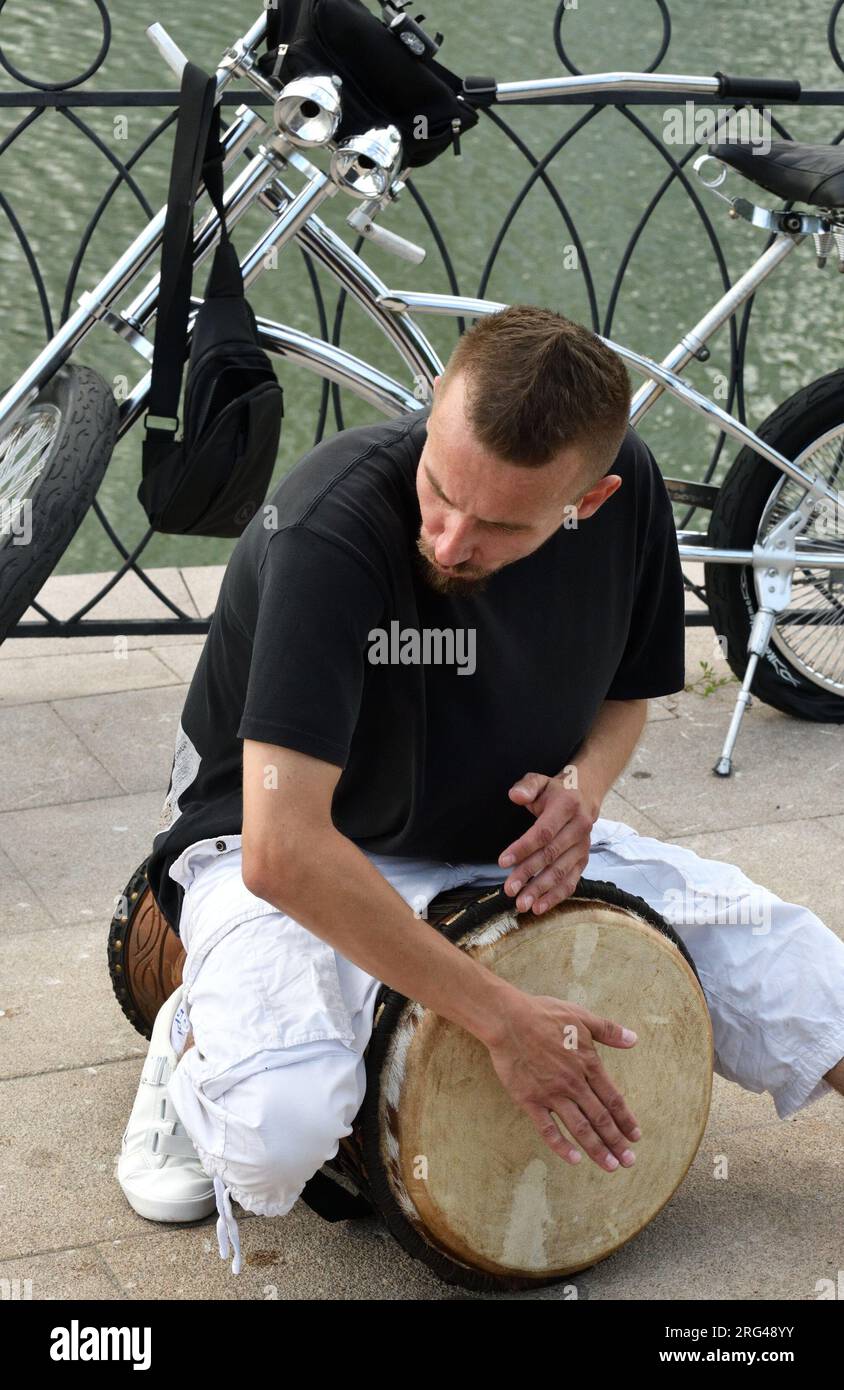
(58, 1010)
(78, 857)
(784, 768)
(663, 708)
(44, 762)
(73, 1274)
(27, 679)
(15, 648)
(132, 733)
(180, 660)
(203, 584)
(290, 1257)
(21, 910)
(60, 1135)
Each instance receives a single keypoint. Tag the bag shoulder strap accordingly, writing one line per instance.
(226, 277)
(197, 153)
(273, 27)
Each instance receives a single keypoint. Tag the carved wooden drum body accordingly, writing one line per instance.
(441, 1153)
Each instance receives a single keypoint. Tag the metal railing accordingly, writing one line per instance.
(70, 100)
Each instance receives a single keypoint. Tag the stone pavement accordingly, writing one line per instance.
(88, 729)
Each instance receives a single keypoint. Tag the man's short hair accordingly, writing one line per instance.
(536, 383)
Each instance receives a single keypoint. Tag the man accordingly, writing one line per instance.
(329, 780)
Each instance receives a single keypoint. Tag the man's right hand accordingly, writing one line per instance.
(545, 1057)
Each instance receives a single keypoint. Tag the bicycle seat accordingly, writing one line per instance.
(805, 173)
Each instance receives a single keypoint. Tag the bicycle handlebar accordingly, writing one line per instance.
(169, 50)
(484, 91)
(758, 88)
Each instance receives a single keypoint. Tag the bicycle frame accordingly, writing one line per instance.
(295, 218)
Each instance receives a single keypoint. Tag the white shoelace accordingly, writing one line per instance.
(228, 1235)
(227, 1225)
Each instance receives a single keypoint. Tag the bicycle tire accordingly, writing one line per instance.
(65, 486)
(734, 524)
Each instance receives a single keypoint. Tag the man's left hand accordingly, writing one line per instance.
(547, 861)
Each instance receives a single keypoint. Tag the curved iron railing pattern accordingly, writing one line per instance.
(66, 98)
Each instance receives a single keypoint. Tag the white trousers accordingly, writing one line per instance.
(281, 1020)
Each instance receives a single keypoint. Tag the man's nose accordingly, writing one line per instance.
(454, 545)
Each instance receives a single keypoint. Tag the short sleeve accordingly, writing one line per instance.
(316, 607)
(654, 659)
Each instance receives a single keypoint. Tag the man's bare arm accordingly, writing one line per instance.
(296, 859)
(607, 748)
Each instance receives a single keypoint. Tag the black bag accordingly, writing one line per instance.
(212, 480)
(384, 81)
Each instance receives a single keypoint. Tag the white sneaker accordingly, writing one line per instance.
(158, 1168)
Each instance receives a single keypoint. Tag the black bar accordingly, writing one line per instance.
(149, 627)
(252, 97)
(769, 89)
(138, 98)
(101, 627)
(653, 1336)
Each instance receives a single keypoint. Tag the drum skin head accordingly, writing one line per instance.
(464, 1162)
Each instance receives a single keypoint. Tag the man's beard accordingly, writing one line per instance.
(459, 585)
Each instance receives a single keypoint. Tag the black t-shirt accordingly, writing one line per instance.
(428, 751)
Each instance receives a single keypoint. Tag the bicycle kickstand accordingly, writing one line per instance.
(757, 645)
(773, 589)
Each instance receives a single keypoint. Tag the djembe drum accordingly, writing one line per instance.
(438, 1150)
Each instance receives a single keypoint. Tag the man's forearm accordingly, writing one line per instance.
(338, 894)
(607, 748)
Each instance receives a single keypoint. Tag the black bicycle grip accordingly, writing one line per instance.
(480, 91)
(758, 88)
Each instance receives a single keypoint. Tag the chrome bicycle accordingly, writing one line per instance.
(774, 546)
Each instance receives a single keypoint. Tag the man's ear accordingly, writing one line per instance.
(597, 495)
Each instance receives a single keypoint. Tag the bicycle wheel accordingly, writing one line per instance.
(802, 672)
(51, 463)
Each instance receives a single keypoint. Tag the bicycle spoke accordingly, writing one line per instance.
(23, 454)
(811, 633)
